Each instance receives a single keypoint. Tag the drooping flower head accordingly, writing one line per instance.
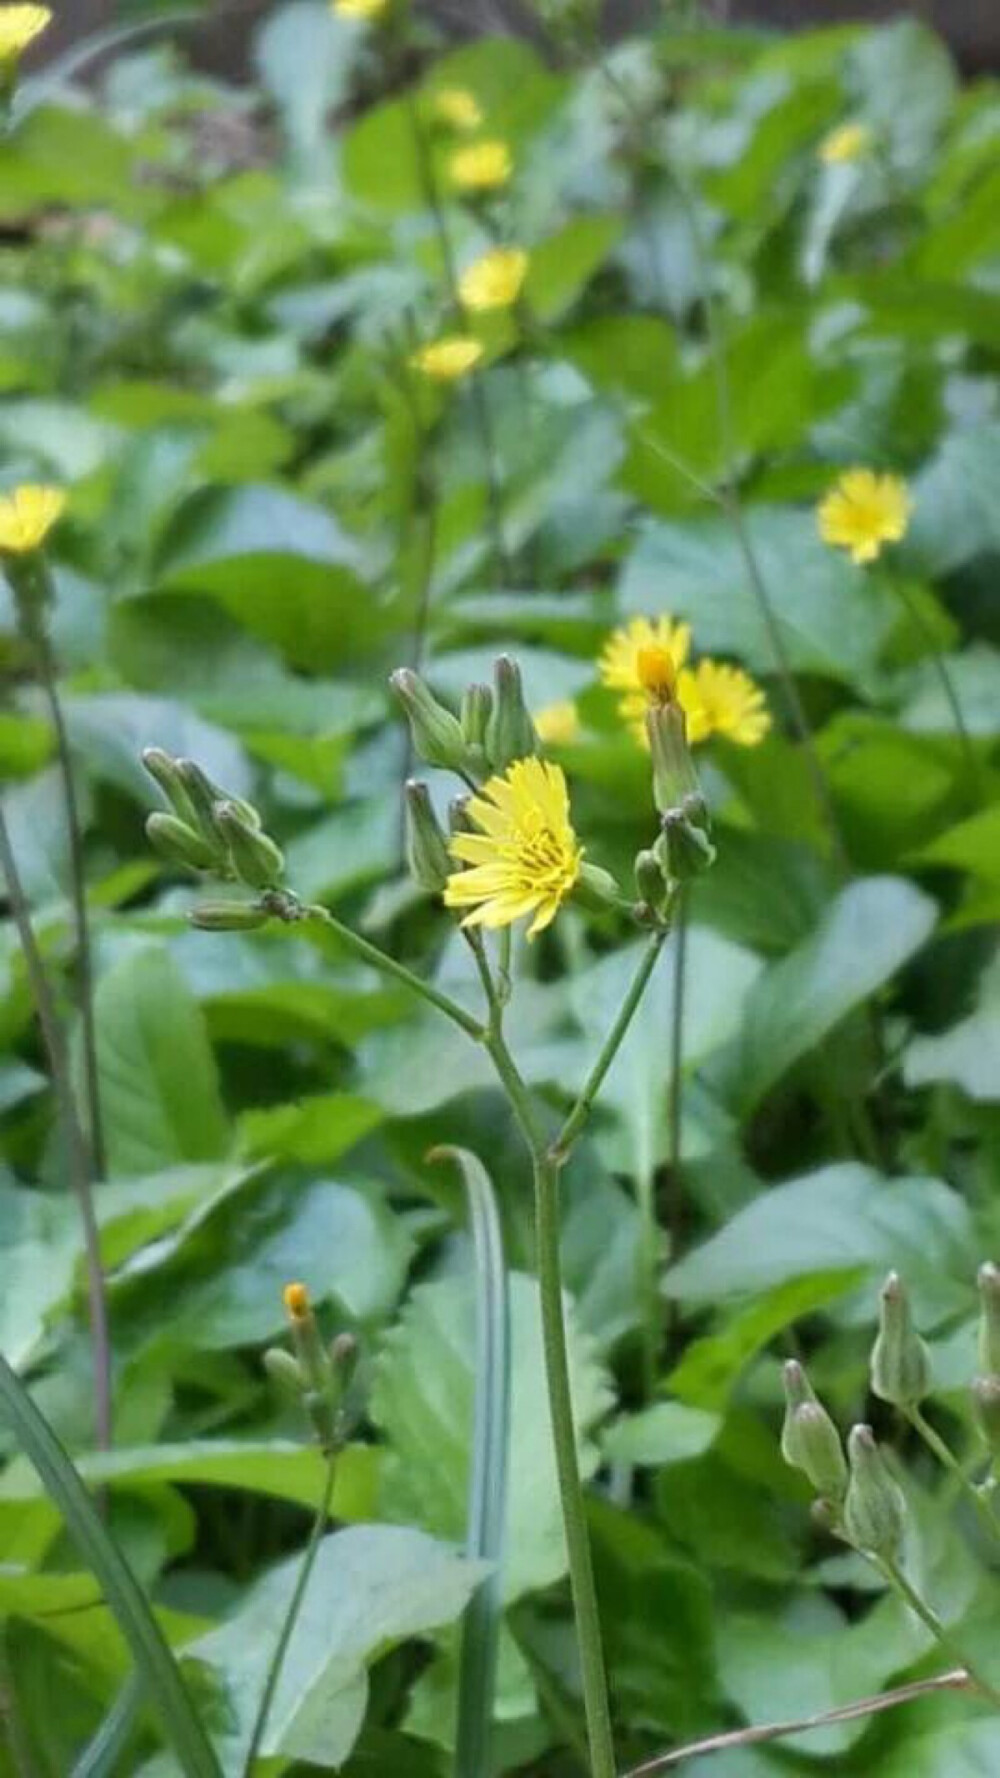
(526, 858)
(848, 142)
(483, 166)
(447, 359)
(864, 511)
(641, 660)
(359, 9)
(457, 107)
(19, 26)
(558, 724)
(494, 280)
(718, 699)
(27, 515)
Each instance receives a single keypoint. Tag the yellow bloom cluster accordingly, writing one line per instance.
(457, 107)
(447, 359)
(848, 142)
(647, 661)
(27, 515)
(483, 166)
(526, 857)
(863, 512)
(19, 26)
(494, 280)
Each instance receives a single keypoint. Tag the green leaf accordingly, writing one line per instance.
(668, 1432)
(711, 1366)
(954, 503)
(305, 55)
(962, 1749)
(159, 1086)
(908, 87)
(563, 263)
(315, 1131)
(972, 845)
(968, 1054)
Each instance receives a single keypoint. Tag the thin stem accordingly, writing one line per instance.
(946, 1456)
(387, 965)
(947, 684)
(892, 1573)
(291, 1618)
(677, 1061)
(777, 1731)
(77, 1158)
(609, 1049)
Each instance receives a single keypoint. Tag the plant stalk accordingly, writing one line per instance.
(893, 1574)
(946, 1457)
(386, 965)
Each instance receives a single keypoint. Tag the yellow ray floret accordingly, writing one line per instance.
(558, 724)
(848, 142)
(456, 106)
(863, 512)
(721, 700)
(446, 360)
(19, 26)
(359, 9)
(525, 858)
(639, 660)
(494, 280)
(482, 166)
(27, 515)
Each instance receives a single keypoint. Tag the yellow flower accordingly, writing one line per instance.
(494, 280)
(721, 700)
(526, 859)
(864, 511)
(482, 166)
(558, 724)
(19, 26)
(27, 515)
(358, 9)
(640, 660)
(448, 359)
(457, 107)
(848, 142)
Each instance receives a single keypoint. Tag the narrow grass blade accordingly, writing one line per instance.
(100, 1757)
(153, 1659)
(488, 1478)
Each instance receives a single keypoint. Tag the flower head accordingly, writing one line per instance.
(863, 512)
(447, 359)
(494, 280)
(721, 700)
(558, 724)
(640, 661)
(526, 858)
(27, 515)
(19, 26)
(483, 166)
(296, 1300)
(457, 107)
(848, 142)
(358, 9)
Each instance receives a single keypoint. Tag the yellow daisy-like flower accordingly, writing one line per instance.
(558, 724)
(494, 280)
(526, 858)
(721, 700)
(19, 26)
(640, 660)
(27, 515)
(482, 166)
(848, 142)
(457, 107)
(358, 9)
(447, 359)
(863, 511)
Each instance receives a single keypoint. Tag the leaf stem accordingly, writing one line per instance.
(609, 1049)
(946, 1457)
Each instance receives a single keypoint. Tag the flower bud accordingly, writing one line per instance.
(900, 1365)
(986, 1401)
(164, 770)
(874, 1508)
(458, 816)
(477, 707)
(650, 882)
(427, 853)
(989, 1320)
(284, 1370)
(257, 861)
(674, 776)
(510, 734)
(178, 843)
(595, 889)
(228, 916)
(683, 847)
(437, 733)
(826, 1517)
(811, 1442)
(344, 1357)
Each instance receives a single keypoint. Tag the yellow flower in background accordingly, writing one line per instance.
(526, 858)
(640, 660)
(19, 26)
(494, 280)
(558, 724)
(848, 142)
(482, 166)
(358, 9)
(447, 359)
(863, 511)
(456, 106)
(27, 515)
(721, 700)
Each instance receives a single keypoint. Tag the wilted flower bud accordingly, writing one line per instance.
(511, 733)
(900, 1365)
(437, 733)
(989, 1319)
(986, 1401)
(674, 776)
(874, 1509)
(228, 916)
(256, 859)
(427, 853)
(811, 1442)
(178, 843)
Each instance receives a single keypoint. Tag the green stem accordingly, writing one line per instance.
(900, 1585)
(946, 1456)
(386, 965)
(609, 1049)
(291, 1618)
(947, 686)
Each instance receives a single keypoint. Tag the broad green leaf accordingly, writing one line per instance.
(908, 87)
(668, 1432)
(562, 264)
(39, 1243)
(305, 55)
(710, 1367)
(972, 845)
(961, 1749)
(968, 1054)
(316, 1130)
(954, 506)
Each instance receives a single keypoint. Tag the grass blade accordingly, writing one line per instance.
(154, 1662)
(100, 1757)
(488, 1478)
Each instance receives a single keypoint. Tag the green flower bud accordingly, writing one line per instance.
(284, 1370)
(684, 849)
(477, 708)
(511, 733)
(811, 1443)
(257, 861)
(228, 916)
(989, 1320)
(650, 882)
(826, 1517)
(900, 1365)
(595, 889)
(874, 1509)
(203, 796)
(344, 1357)
(178, 843)
(164, 770)
(674, 776)
(986, 1401)
(427, 852)
(437, 734)
(798, 1391)
(458, 816)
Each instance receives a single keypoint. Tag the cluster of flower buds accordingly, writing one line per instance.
(492, 729)
(209, 831)
(683, 849)
(317, 1375)
(986, 1388)
(857, 1496)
